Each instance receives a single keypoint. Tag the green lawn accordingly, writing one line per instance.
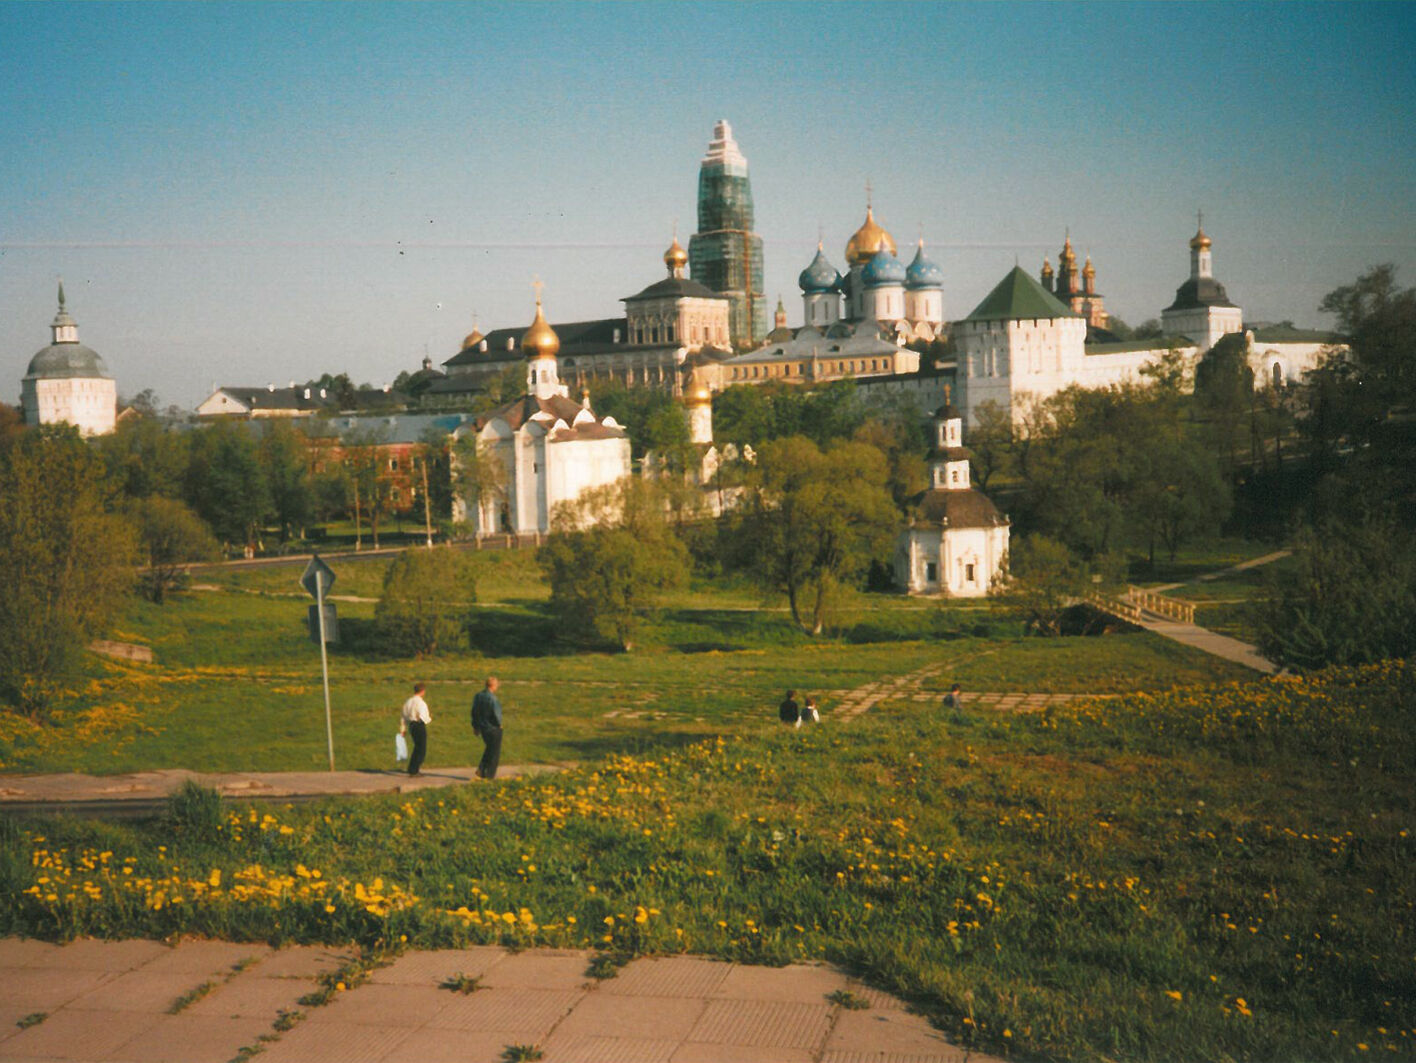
(236, 680)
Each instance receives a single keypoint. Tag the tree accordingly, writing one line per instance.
(990, 442)
(64, 561)
(144, 458)
(427, 601)
(285, 463)
(480, 479)
(226, 484)
(368, 473)
(1347, 596)
(815, 520)
(610, 557)
(169, 536)
(1046, 580)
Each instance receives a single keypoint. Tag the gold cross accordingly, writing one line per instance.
(538, 284)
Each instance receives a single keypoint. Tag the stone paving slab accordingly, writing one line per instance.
(248, 995)
(673, 976)
(435, 967)
(206, 958)
(381, 1005)
(607, 1050)
(795, 984)
(335, 1043)
(190, 1039)
(434, 1045)
(525, 1013)
(90, 954)
(301, 961)
(76, 1035)
(142, 991)
(540, 969)
(646, 1018)
(763, 1024)
(47, 988)
(885, 1031)
(710, 1053)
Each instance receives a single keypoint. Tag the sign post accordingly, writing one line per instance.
(317, 579)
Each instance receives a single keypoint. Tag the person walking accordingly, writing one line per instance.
(415, 724)
(487, 725)
(789, 712)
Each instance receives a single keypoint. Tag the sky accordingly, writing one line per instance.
(244, 194)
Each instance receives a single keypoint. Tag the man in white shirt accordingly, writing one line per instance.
(415, 722)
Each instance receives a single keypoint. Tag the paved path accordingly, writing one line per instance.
(1243, 566)
(215, 1002)
(75, 789)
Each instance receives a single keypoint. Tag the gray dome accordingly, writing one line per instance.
(67, 360)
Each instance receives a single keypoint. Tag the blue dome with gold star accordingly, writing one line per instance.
(923, 272)
(884, 269)
(820, 276)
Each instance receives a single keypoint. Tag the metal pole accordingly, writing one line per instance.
(324, 664)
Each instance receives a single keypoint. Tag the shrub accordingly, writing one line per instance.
(195, 812)
(427, 601)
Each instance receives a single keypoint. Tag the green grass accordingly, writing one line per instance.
(1220, 872)
(236, 680)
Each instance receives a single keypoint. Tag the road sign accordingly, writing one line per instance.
(315, 568)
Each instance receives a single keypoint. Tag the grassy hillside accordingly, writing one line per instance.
(1220, 872)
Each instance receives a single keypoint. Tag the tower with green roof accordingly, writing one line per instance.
(725, 255)
(1019, 341)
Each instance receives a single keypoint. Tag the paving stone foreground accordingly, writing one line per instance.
(119, 1001)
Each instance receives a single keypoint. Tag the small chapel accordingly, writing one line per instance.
(956, 541)
(548, 447)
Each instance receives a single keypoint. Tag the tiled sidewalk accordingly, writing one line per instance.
(207, 1002)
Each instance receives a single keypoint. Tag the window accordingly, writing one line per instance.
(968, 573)
(931, 572)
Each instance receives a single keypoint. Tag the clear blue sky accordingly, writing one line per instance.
(250, 193)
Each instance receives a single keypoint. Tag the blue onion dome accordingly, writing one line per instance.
(923, 272)
(882, 270)
(820, 276)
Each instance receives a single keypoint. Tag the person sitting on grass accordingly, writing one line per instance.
(808, 711)
(954, 698)
(789, 711)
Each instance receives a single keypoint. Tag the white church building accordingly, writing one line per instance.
(69, 383)
(551, 448)
(956, 541)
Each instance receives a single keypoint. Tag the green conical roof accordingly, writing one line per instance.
(1017, 296)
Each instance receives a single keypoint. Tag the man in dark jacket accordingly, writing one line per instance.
(487, 724)
(789, 711)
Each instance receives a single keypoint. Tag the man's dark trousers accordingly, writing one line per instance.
(491, 756)
(418, 730)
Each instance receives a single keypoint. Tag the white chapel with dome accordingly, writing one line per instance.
(68, 383)
(551, 449)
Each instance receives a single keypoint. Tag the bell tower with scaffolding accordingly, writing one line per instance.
(725, 254)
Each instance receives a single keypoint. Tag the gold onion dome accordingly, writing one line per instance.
(1046, 266)
(675, 257)
(1200, 240)
(540, 340)
(1089, 270)
(697, 393)
(471, 339)
(869, 240)
(1068, 256)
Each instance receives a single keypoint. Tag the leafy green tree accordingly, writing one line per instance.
(990, 442)
(372, 488)
(610, 558)
(64, 561)
(169, 536)
(898, 432)
(1046, 580)
(284, 458)
(1224, 398)
(479, 477)
(143, 457)
(1347, 596)
(226, 483)
(813, 521)
(427, 601)
(742, 414)
(1181, 495)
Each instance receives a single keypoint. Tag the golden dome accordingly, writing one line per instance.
(697, 393)
(1200, 240)
(675, 257)
(1068, 256)
(869, 240)
(471, 339)
(540, 340)
(1088, 270)
(1046, 266)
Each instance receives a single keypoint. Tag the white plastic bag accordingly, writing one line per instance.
(400, 747)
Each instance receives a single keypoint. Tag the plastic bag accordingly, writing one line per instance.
(400, 747)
